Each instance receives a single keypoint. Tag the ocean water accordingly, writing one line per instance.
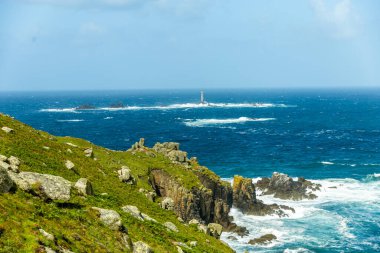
(329, 136)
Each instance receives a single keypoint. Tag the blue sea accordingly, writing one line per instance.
(329, 136)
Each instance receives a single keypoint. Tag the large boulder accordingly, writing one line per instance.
(167, 203)
(125, 175)
(110, 218)
(7, 129)
(141, 247)
(44, 185)
(133, 210)
(84, 187)
(6, 182)
(170, 225)
(215, 229)
(69, 165)
(284, 187)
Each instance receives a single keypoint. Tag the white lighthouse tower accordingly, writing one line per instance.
(202, 98)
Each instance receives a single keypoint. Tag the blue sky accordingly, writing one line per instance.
(135, 44)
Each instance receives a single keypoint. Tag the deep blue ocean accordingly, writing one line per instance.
(330, 136)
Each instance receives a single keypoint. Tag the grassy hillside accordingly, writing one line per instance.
(74, 224)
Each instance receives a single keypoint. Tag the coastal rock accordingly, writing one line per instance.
(265, 239)
(138, 146)
(127, 242)
(46, 234)
(89, 152)
(215, 229)
(84, 187)
(3, 158)
(133, 210)
(167, 203)
(284, 187)
(125, 175)
(110, 218)
(170, 225)
(4, 165)
(6, 183)
(193, 244)
(194, 221)
(44, 185)
(171, 150)
(147, 217)
(141, 247)
(203, 228)
(69, 164)
(7, 129)
(244, 198)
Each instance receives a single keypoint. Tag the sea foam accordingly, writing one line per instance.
(206, 122)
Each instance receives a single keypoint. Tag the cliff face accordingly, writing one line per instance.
(210, 203)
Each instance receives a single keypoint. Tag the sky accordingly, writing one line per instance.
(175, 44)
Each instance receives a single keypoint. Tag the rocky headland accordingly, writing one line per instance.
(73, 196)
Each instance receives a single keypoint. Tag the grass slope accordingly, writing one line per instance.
(74, 225)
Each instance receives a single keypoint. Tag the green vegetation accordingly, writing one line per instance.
(74, 224)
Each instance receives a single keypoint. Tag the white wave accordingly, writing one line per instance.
(327, 163)
(70, 120)
(72, 110)
(298, 250)
(204, 122)
(108, 118)
(174, 106)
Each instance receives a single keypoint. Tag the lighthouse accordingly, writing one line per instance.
(202, 98)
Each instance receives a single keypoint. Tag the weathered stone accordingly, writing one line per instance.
(69, 164)
(84, 187)
(284, 187)
(7, 129)
(126, 241)
(169, 225)
(138, 145)
(147, 217)
(179, 249)
(14, 161)
(203, 228)
(193, 244)
(141, 247)
(167, 203)
(151, 196)
(89, 152)
(232, 238)
(265, 239)
(215, 229)
(47, 235)
(49, 250)
(125, 175)
(3, 158)
(193, 221)
(6, 183)
(44, 185)
(133, 210)
(110, 218)
(4, 165)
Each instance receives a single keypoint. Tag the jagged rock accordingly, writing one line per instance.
(244, 198)
(44, 185)
(69, 164)
(151, 196)
(126, 241)
(84, 187)
(133, 210)
(110, 218)
(240, 231)
(89, 152)
(193, 244)
(232, 238)
(138, 145)
(14, 161)
(193, 221)
(180, 219)
(284, 187)
(7, 129)
(169, 225)
(46, 234)
(49, 250)
(210, 203)
(171, 150)
(141, 247)
(3, 158)
(265, 239)
(125, 175)
(167, 203)
(6, 183)
(203, 228)
(215, 229)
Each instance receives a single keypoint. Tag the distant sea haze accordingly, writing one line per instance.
(330, 137)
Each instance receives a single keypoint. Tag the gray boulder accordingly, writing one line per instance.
(141, 247)
(3, 158)
(167, 203)
(125, 175)
(6, 183)
(215, 229)
(110, 218)
(7, 129)
(69, 164)
(170, 225)
(84, 187)
(89, 152)
(133, 210)
(4, 165)
(47, 235)
(49, 186)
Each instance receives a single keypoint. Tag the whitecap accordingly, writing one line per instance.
(206, 122)
(327, 163)
(70, 110)
(108, 118)
(70, 120)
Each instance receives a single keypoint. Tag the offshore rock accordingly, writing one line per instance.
(44, 185)
(284, 187)
(265, 239)
(244, 198)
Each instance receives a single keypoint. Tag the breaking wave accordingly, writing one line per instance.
(207, 122)
(70, 120)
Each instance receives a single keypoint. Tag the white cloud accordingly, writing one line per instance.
(91, 3)
(338, 15)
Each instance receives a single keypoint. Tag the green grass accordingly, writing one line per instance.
(74, 225)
